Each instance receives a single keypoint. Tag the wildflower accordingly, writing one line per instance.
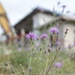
(31, 36)
(68, 11)
(64, 6)
(30, 68)
(45, 51)
(74, 44)
(58, 3)
(22, 72)
(69, 46)
(19, 48)
(57, 43)
(54, 30)
(49, 50)
(43, 36)
(27, 48)
(66, 30)
(37, 44)
(40, 49)
(12, 71)
(59, 71)
(6, 64)
(57, 24)
(58, 65)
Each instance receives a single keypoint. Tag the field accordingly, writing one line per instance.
(35, 61)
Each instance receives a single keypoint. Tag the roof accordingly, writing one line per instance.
(61, 19)
(35, 11)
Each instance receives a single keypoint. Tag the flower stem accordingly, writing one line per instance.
(51, 63)
(46, 64)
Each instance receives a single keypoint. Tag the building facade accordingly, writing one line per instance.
(40, 20)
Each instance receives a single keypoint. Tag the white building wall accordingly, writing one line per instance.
(44, 18)
(35, 21)
(41, 19)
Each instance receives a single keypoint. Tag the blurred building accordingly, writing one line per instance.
(40, 20)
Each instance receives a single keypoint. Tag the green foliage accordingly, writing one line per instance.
(18, 58)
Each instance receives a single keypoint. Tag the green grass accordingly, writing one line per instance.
(35, 62)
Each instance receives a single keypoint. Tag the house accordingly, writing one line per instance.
(40, 20)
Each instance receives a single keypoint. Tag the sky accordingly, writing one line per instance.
(18, 9)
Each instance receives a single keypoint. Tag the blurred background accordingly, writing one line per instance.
(16, 10)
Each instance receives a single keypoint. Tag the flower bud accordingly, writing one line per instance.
(49, 50)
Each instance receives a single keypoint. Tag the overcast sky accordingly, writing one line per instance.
(17, 9)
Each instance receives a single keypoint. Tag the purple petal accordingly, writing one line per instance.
(54, 30)
(43, 36)
(58, 65)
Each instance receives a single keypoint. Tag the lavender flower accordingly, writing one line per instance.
(54, 30)
(19, 48)
(58, 3)
(57, 43)
(43, 36)
(37, 44)
(69, 46)
(64, 6)
(74, 44)
(58, 65)
(66, 30)
(31, 35)
(57, 24)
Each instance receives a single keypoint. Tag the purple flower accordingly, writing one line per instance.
(64, 6)
(58, 43)
(27, 48)
(58, 3)
(54, 30)
(58, 65)
(37, 44)
(31, 35)
(69, 46)
(43, 36)
(74, 44)
(19, 48)
(57, 24)
(66, 30)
